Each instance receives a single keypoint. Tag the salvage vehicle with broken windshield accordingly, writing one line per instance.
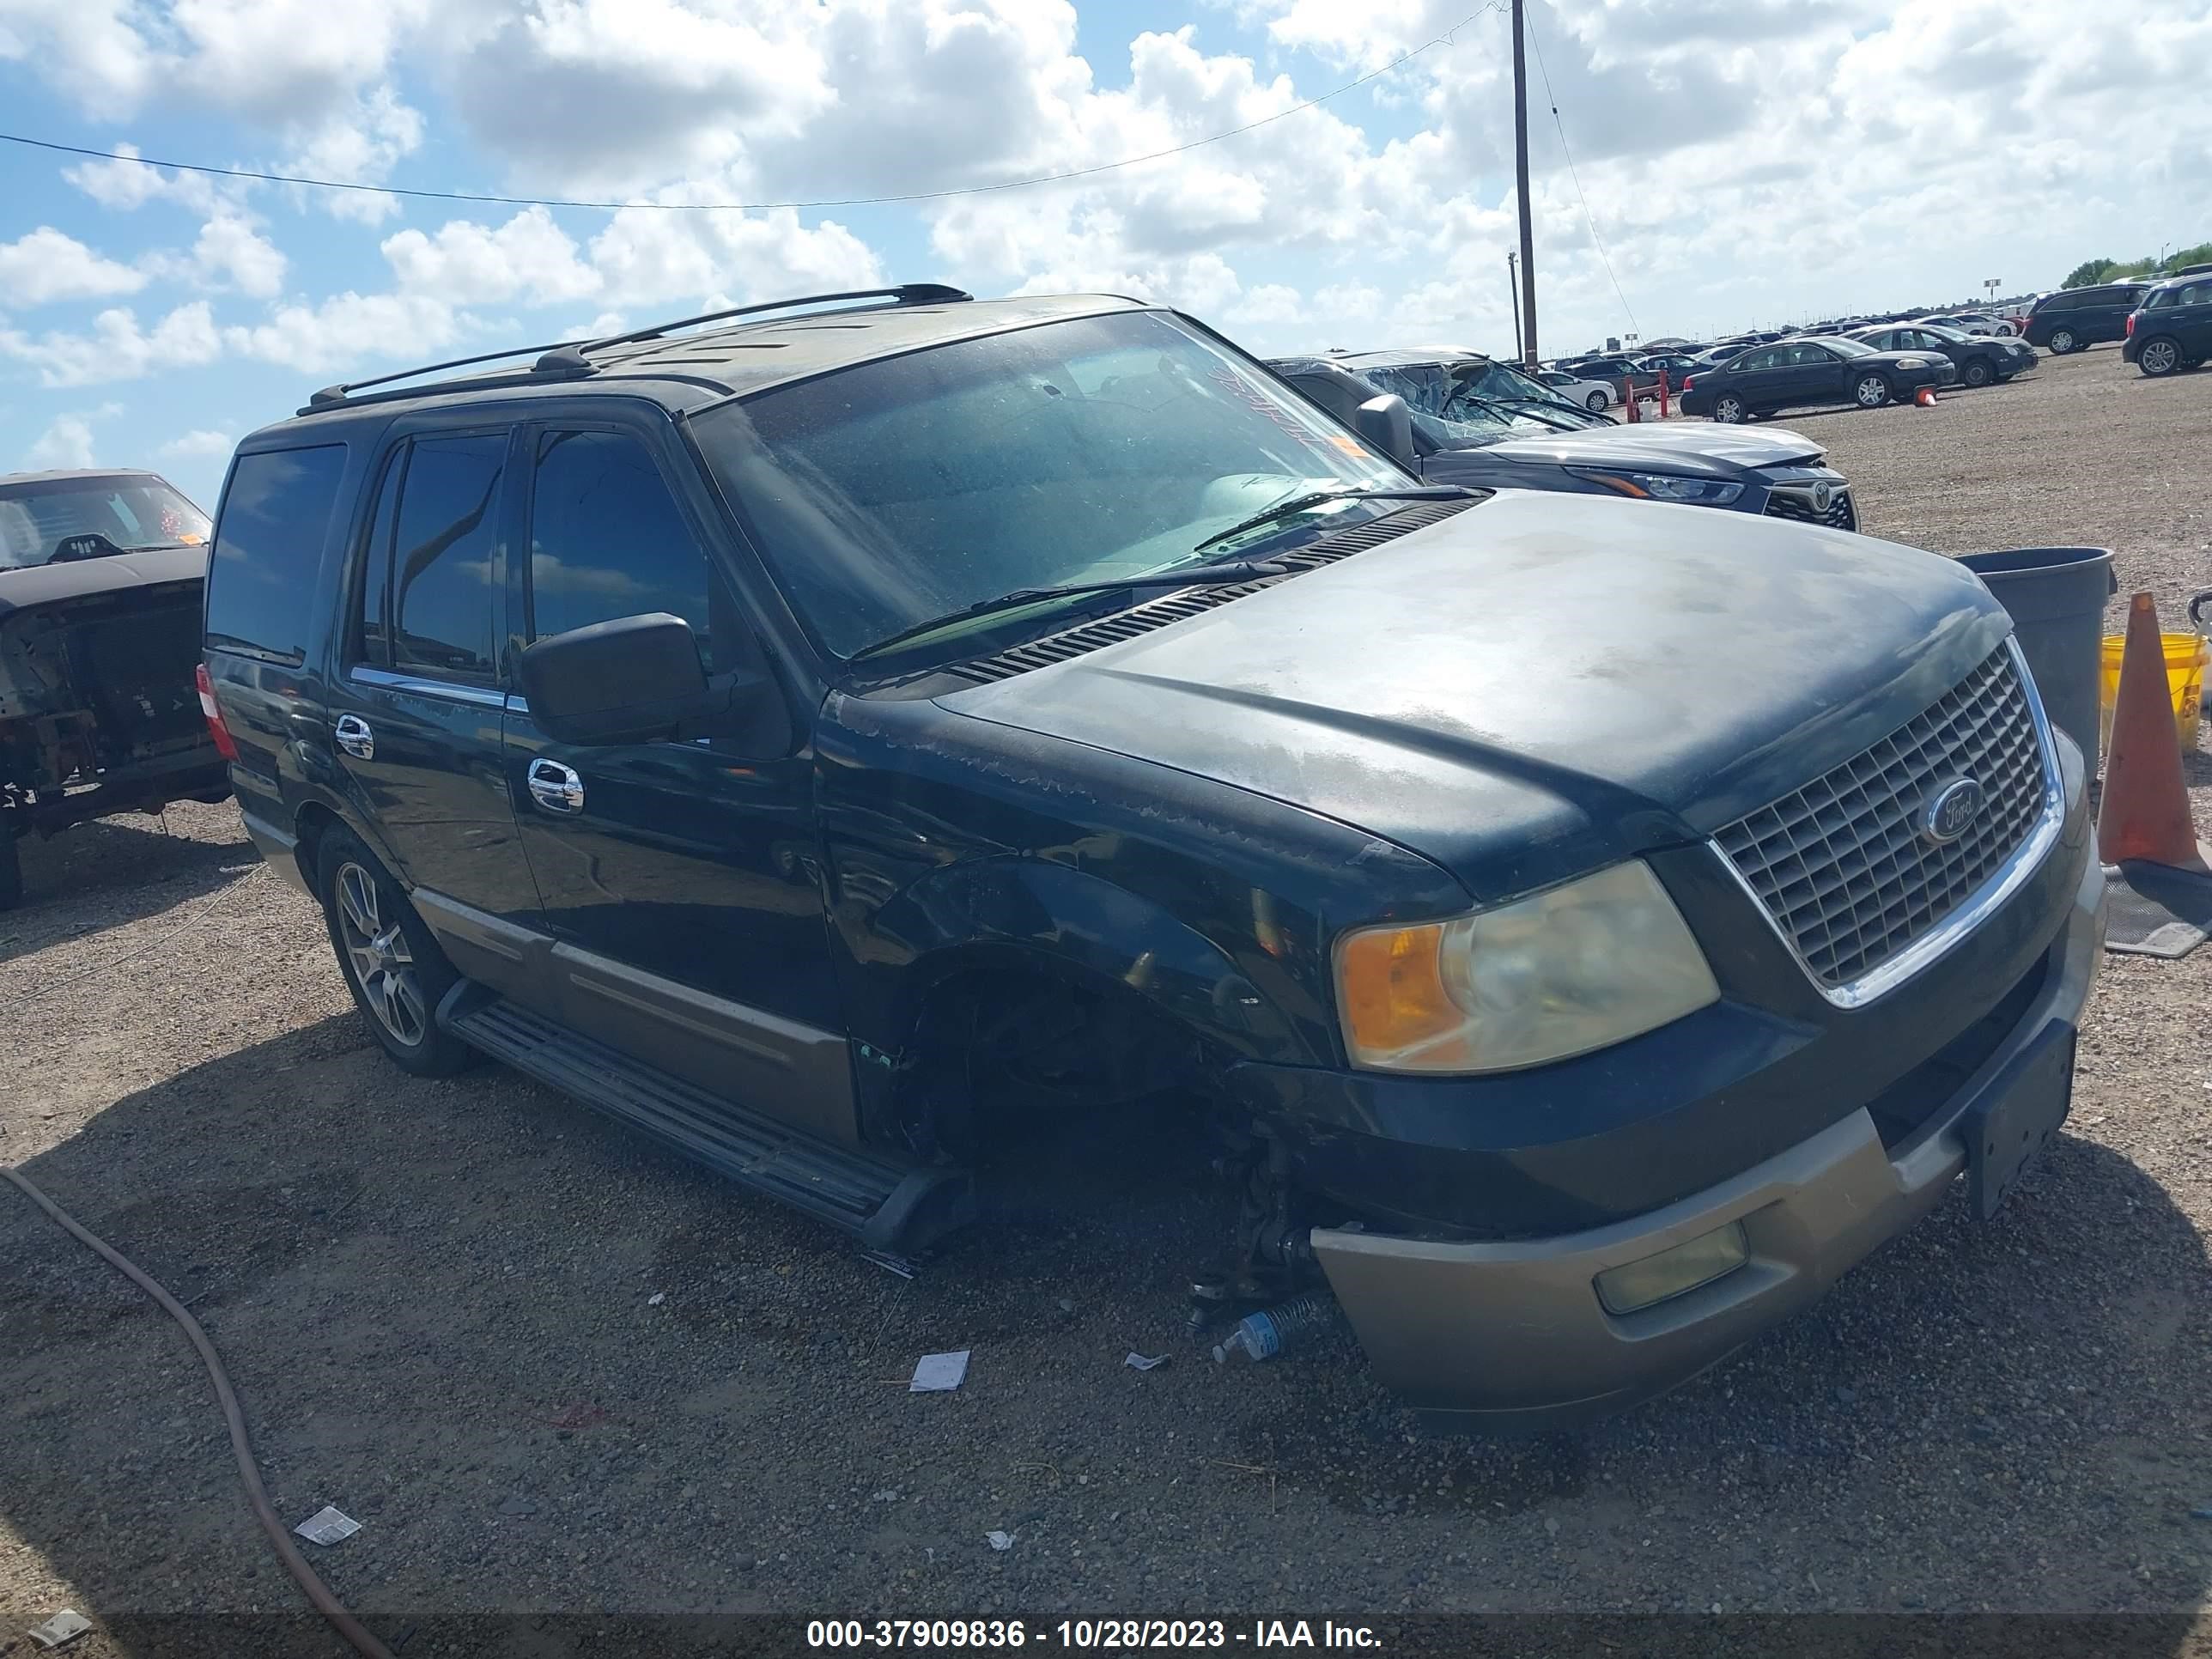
(856, 740)
(101, 574)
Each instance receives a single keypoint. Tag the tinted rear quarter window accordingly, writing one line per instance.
(274, 520)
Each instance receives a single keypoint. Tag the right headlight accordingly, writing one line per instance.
(1558, 974)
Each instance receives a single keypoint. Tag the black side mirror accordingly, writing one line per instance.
(635, 679)
(1388, 425)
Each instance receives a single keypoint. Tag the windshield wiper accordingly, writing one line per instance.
(1241, 570)
(1298, 504)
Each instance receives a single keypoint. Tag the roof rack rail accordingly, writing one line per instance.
(570, 358)
(338, 394)
(566, 357)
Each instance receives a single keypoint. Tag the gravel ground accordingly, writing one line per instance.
(552, 1369)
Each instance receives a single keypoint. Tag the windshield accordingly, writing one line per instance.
(1848, 346)
(89, 517)
(889, 494)
(1450, 415)
(1482, 382)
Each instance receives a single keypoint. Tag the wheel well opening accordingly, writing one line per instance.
(313, 823)
(1006, 1058)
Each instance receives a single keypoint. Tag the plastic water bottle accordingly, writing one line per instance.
(1263, 1335)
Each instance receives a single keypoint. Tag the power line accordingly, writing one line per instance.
(487, 199)
(1589, 217)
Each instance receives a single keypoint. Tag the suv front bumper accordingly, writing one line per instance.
(1511, 1335)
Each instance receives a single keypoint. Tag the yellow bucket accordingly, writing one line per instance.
(2187, 657)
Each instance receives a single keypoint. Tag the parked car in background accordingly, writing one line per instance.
(849, 752)
(1595, 395)
(1460, 436)
(1799, 373)
(1677, 366)
(1427, 377)
(1969, 322)
(2171, 329)
(1609, 367)
(1979, 359)
(2075, 319)
(101, 574)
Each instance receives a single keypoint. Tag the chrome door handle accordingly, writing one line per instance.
(556, 787)
(355, 738)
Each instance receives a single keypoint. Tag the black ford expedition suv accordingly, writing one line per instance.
(839, 742)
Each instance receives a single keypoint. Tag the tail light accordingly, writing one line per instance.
(2131, 325)
(1688, 381)
(224, 744)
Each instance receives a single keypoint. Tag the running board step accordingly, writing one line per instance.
(889, 1206)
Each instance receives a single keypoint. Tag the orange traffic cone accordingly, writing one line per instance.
(2145, 815)
(1925, 396)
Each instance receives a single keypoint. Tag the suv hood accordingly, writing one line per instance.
(1539, 685)
(1698, 450)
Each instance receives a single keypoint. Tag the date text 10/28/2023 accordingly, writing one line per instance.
(1006, 1635)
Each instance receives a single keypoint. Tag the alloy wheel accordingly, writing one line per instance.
(2063, 341)
(2160, 357)
(1873, 391)
(377, 951)
(1728, 410)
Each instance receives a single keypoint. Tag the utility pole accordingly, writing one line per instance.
(1529, 353)
(1513, 296)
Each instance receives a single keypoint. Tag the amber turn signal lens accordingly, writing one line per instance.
(1393, 984)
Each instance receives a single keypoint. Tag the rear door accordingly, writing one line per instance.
(416, 712)
(2106, 317)
(679, 880)
(1757, 377)
(1808, 374)
(2188, 313)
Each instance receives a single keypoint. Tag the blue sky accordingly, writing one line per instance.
(1743, 160)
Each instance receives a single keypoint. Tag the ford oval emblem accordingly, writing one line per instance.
(1951, 811)
(1822, 495)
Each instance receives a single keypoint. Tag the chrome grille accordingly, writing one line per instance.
(1842, 866)
(1795, 502)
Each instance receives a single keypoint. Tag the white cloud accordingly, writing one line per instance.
(467, 262)
(68, 441)
(124, 183)
(91, 49)
(646, 257)
(204, 444)
(346, 330)
(357, 144)
(229, 255)
(45, 265)
(117, 349)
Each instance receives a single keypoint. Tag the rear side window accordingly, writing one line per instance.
(442, 573)
(607, 540)
(269, 543)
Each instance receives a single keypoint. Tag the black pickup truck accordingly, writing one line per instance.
(101, 575)
(846, 740)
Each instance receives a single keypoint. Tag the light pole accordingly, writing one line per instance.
(1513, 297)
(1521, 183)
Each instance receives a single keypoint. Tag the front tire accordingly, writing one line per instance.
(1872, 392)
(2159, 358)
(1976, 374)
(1729, 409)
(392, 964)
(1597, 403)
(2064, 340)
